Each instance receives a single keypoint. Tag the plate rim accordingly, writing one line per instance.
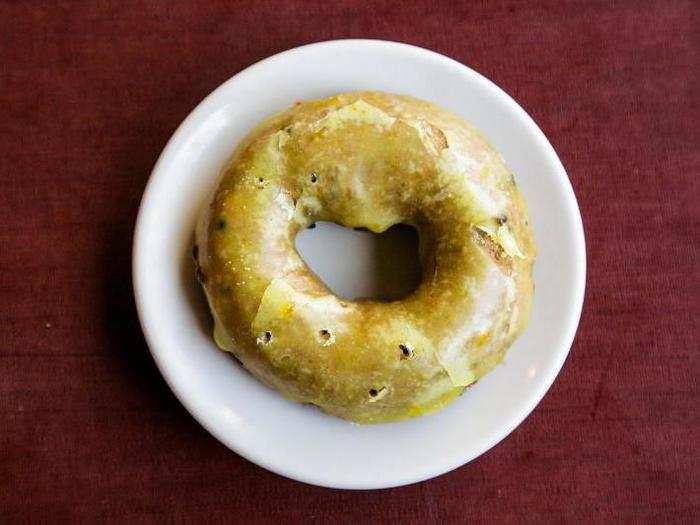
(537, 395)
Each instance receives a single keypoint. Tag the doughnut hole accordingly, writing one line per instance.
(358, 264)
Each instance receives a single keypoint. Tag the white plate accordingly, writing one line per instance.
(301, 442)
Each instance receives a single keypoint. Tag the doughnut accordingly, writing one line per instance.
(367, 160)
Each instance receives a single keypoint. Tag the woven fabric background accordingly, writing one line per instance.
(91, 91)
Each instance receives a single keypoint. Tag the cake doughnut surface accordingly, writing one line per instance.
(369, 160)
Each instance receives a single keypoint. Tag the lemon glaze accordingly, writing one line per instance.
(368, 160)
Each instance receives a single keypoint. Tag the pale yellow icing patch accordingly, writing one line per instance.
(426, 134)
(269, 163)
(281, 300)
(461, 171)
(276, 303)
(221, 338)
(307, 207)
(359, 112)
(501, 235)
(455, 351)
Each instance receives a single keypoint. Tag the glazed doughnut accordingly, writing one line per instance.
(370, 160)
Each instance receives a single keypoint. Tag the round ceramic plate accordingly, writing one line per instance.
(298, 441)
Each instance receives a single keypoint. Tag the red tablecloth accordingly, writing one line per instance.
(90, 93)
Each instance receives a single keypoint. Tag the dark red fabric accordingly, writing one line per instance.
(90, 93)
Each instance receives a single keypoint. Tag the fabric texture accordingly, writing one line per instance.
(91, 91)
